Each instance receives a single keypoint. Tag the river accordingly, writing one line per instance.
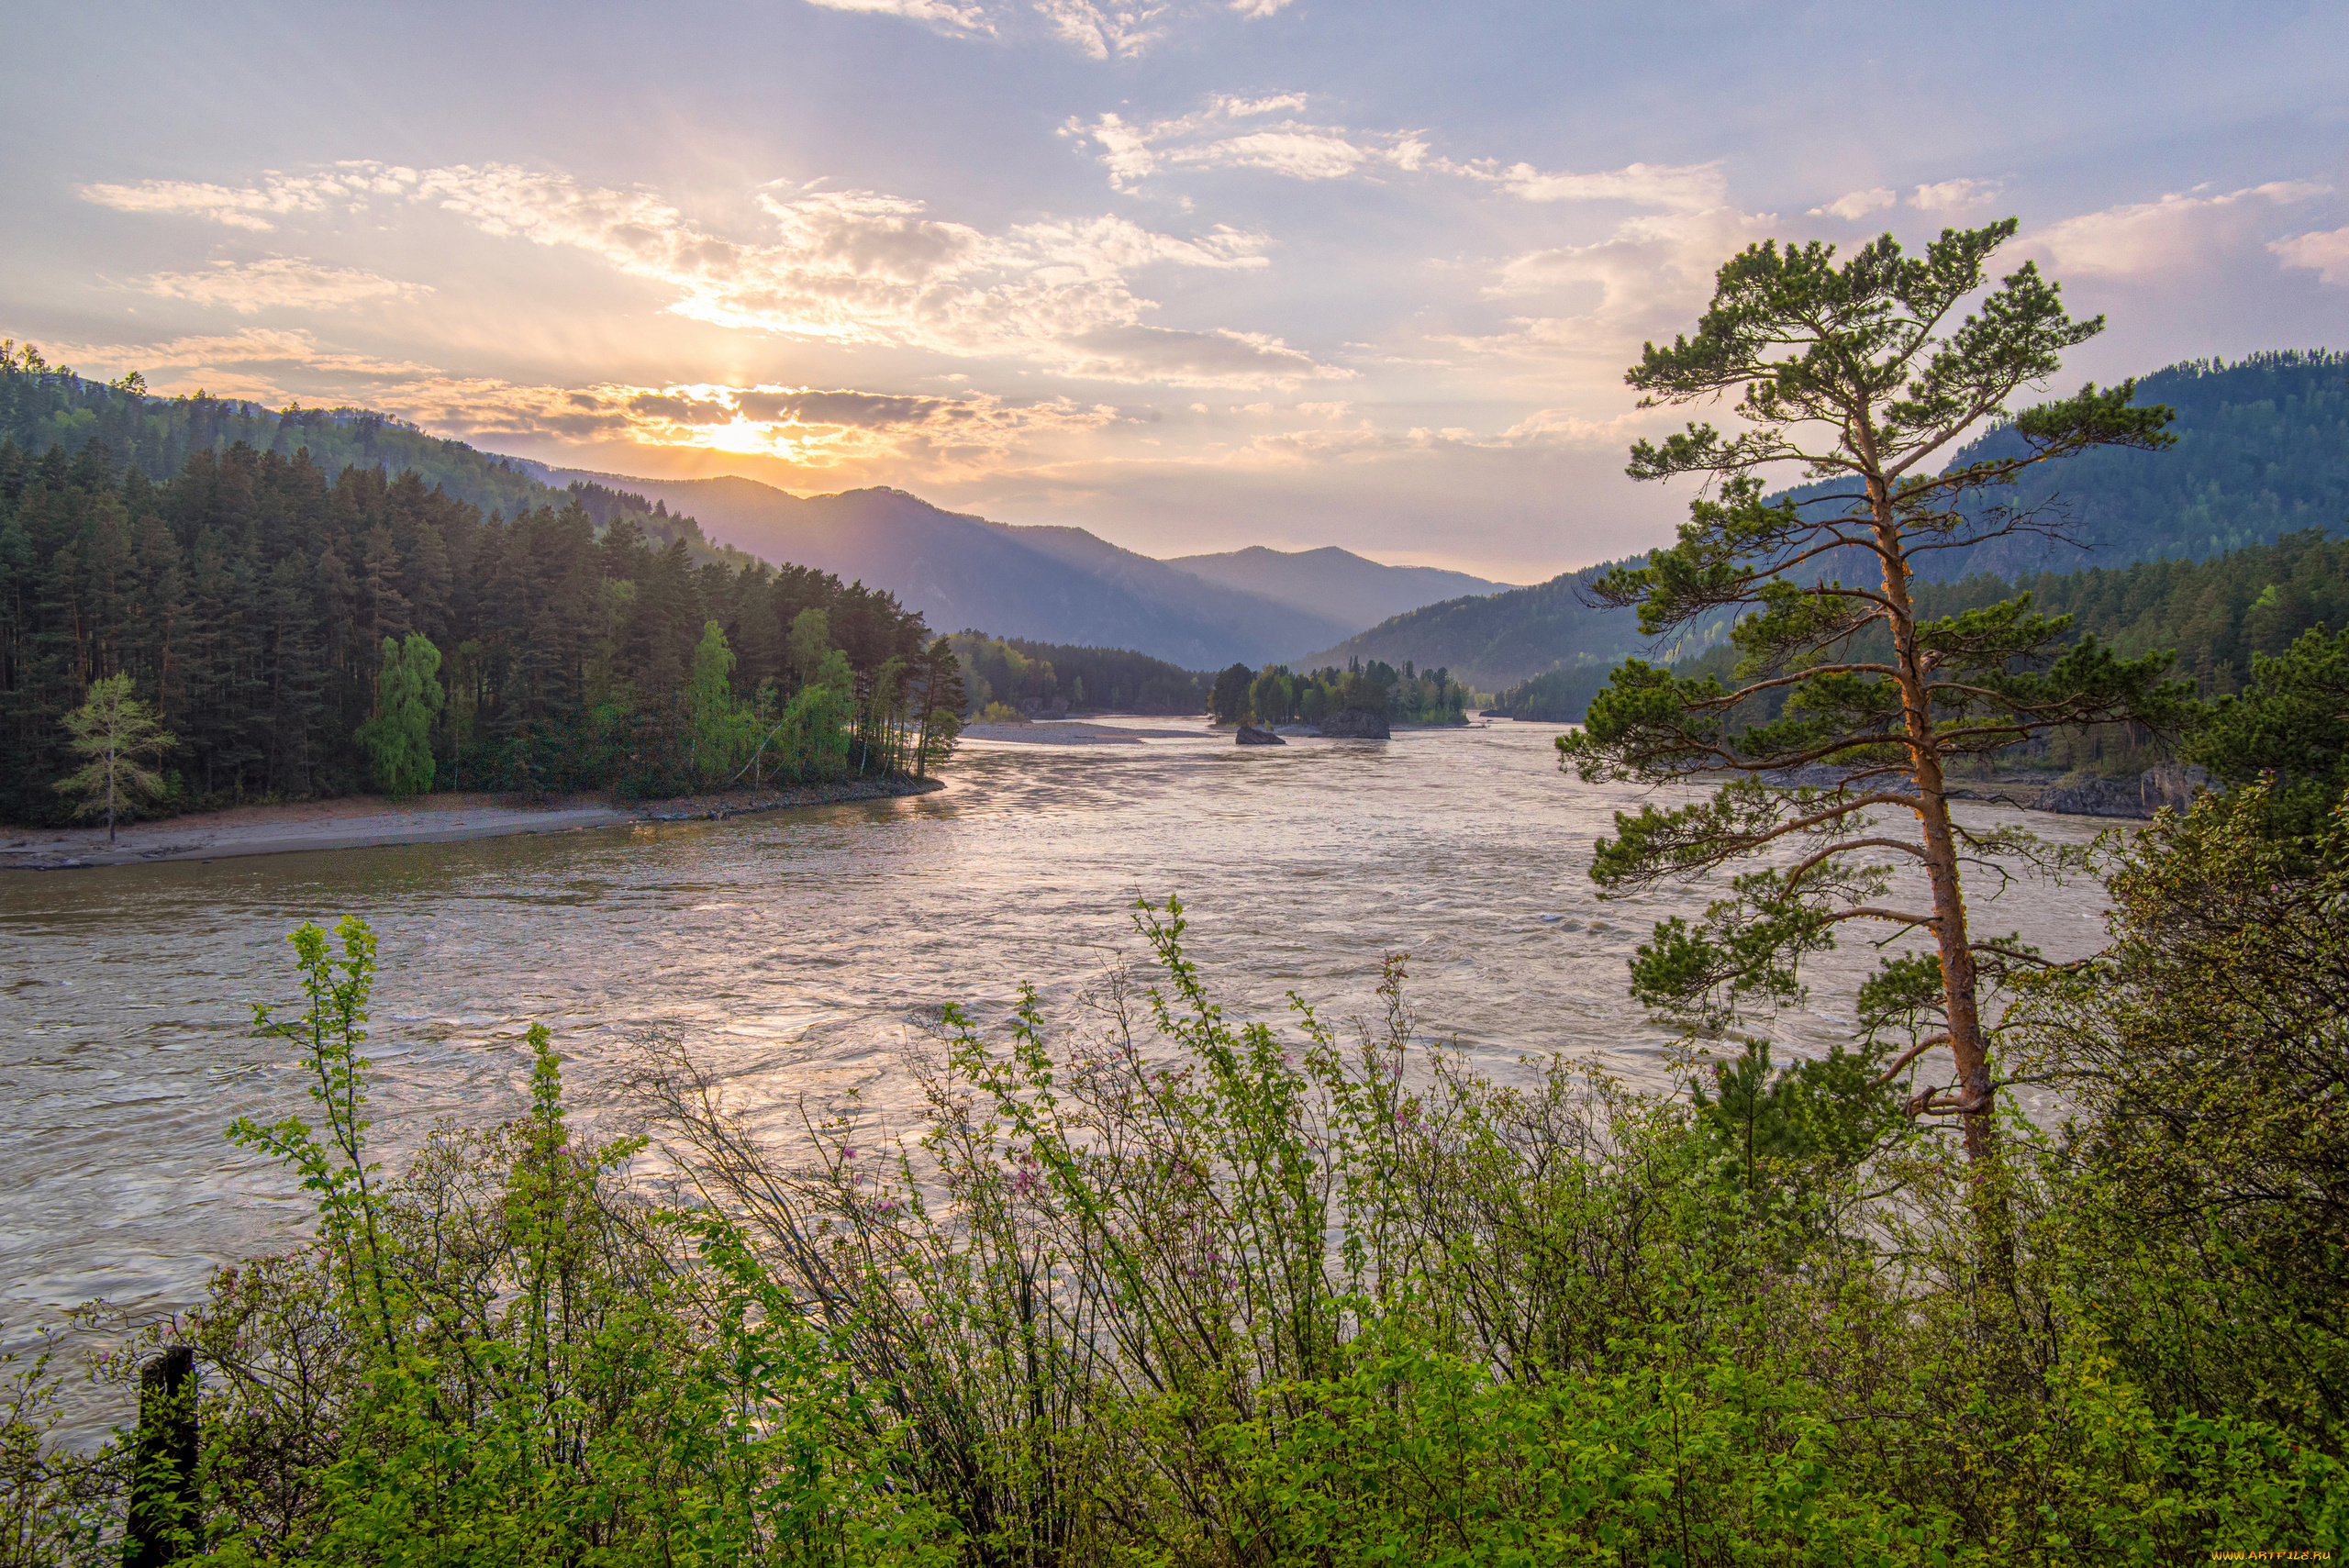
(799, 954)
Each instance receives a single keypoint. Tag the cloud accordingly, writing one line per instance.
(1133, 151)
(1686, 187)
(1100, 32)
(851, 267)
(1856, 204)
(861, 411)
(959, 19)
(278, 282)
(2182, 232)
(1953, 197)
(831, 431)
(277, 195)
(1253, 9)
(1219, 358)
(680, 410)
(2327, 255)
(1304, 152)
(1300, 149)
(1647, 279)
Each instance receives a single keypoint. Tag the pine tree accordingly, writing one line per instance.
(1858, 373)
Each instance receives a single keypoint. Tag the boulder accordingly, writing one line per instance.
(1251, 736)
(2096, 797)
(1355, 724)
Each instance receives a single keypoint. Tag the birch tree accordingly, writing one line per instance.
(113, 730)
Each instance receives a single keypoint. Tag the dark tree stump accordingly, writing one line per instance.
(164, 1521)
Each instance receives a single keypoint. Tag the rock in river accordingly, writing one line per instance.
(1251, 736)
(1355, 724)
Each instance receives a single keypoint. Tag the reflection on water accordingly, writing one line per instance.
(799, 952)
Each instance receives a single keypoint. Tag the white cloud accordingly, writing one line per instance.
(960, 18)
(278, 282)
(1953, 197)
(349, 185)
(1689, 187)
(1132, 151)
(2181, 232)
(1299, 150)
(1102, 32)
(1855, 204)
(852, 267)
(2327, 255)
(1256, 8)
(1649, 278)
(1303, 151)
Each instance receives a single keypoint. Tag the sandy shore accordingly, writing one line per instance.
(361, 821)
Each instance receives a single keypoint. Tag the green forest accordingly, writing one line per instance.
(2215, 613)
(265, 605)
(1015, 676)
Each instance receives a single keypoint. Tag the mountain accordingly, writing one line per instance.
(1334, 583)
(1056, 584)
(2263, 451)
(1494, 640)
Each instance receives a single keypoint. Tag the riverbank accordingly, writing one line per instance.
(368, 821)
(1072, 732)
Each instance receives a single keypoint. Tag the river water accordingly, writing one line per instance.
(800, 953)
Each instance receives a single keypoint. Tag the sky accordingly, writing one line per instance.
(1193, 275)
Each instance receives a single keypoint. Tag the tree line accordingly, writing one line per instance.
(259, 603)
(1017, 675)
(1277, 695)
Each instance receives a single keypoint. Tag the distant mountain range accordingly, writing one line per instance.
(1055, 584)
(2263, 451)
(1333, 584)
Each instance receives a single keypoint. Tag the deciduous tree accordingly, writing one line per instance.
(113, 729)
(408, 697)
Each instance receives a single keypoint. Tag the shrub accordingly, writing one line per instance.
(1188, 1290)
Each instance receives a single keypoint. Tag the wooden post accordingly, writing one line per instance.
(164, 1521)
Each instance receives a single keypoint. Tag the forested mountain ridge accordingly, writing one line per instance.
(43, 406)
(1497, 640)
(2263, 451)
(250, 596)
(2214, 615)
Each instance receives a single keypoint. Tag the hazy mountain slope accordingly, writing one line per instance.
(1334, 583)
(1252, 619)
(1054, 584)
(2263, 449)
(1499, 639)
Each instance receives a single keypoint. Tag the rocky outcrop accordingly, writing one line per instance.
(2174, 785)
(2167, 784)
(2095, 797)
(1355, 724)
(1251, 736)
